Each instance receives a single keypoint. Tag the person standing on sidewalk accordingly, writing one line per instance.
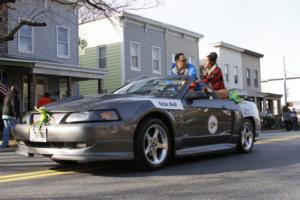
(286, 114)
(294, 119)
(10, 114)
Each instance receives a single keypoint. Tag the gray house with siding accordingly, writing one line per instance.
(129, 46)
(43, 59)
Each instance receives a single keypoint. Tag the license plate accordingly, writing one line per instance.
(38, 134)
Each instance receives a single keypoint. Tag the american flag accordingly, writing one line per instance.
(3, 86)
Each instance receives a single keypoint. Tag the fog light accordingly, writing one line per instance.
(81, 145)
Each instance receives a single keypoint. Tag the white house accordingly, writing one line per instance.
(240, 67)
(241, 71)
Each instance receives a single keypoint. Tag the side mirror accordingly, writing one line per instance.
(194, 95)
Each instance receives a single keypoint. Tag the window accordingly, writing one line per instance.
(26, 39)
(45, 3)
(226, 73)
(236, 77)
(275, 106)
(255, 74)
(63, 42)
(25, 94)
(135, 56)
(102, 57)
(41, 87)
(156, 60)
(248, 77)
(63, 88)
(191, 60)
(75, 11)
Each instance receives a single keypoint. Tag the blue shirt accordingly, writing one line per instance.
(189, 71)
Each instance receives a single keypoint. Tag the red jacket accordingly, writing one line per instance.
(214, 78)
(44, 101)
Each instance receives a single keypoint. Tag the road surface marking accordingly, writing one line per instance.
(41, 174)
(279, 139)
(34, 173)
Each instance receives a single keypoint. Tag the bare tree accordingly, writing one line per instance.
(87, 9)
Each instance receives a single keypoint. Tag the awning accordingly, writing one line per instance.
(56, 69)
(69, 70)
(16, 62)
(250, 93)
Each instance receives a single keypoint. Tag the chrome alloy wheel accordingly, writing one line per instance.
(155, 144)
(247, 135)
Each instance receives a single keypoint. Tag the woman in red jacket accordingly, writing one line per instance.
(213, 75)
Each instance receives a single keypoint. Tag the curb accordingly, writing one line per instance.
(273, 131)
(9, 149)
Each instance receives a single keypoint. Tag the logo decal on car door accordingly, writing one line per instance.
(212, 124)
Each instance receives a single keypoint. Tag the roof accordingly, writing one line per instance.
(161, 25)
(236, 48)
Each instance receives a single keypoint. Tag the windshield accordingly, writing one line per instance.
(159, 87)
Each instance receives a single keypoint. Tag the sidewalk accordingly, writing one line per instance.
(12, 147)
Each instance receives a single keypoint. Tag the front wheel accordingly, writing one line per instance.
(152, 144)
(246, 139)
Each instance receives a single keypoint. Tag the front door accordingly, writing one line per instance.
(41, 87)
(206, 122)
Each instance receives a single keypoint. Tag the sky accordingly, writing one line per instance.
(270, 27)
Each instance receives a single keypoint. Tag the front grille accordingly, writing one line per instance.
(59, 145)
(55, 119)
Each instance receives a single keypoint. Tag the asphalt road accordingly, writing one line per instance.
(271, 171)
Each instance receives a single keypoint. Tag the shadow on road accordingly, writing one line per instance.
(268, 156)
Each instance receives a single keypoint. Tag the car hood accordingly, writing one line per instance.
(84, 103)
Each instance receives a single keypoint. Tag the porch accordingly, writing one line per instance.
(34, 78)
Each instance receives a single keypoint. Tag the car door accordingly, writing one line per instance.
(205, 122)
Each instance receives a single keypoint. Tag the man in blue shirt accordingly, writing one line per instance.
(182, 68)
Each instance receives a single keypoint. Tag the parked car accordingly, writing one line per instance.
(147, 121)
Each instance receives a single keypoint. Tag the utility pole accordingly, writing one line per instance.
(284, 82)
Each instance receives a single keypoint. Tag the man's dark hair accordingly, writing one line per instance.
(47, 94)
(178, 55)
(287, 104)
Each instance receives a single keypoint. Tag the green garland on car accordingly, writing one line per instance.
(234, 96)
(45, 117)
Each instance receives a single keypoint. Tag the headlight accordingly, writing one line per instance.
(93, 116)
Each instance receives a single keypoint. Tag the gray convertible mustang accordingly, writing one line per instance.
(148, 121)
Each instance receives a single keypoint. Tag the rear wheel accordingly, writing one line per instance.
(246, 139)
(152, 144)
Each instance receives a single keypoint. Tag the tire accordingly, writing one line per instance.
(65, 162)
(246, 138)
(152, 145)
